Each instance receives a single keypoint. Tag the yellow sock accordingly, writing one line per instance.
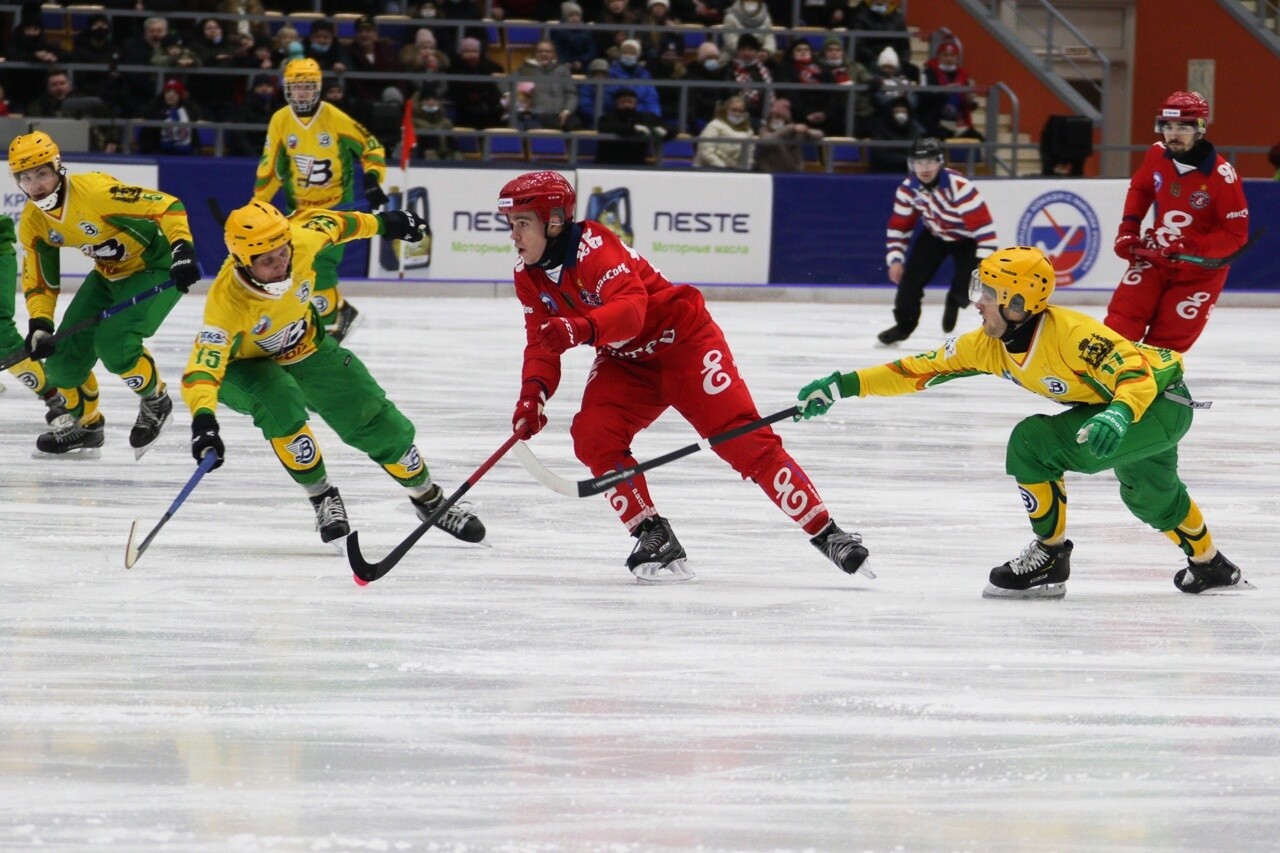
(30, 373)
(1046, 506)
(82, 402)
(299, 453)
(143, 379)
(1193, 537)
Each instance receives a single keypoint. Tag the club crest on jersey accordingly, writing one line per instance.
(1065, 227)
(291, 141)
(286, 339)
(89, 229)
(1199, 199)
(589, 298)
(1095, 349)
(264, 323)
(549, 303)
(1159, 181)
(1054, 385)
(1176, 190)
(55, 239)
(325, 140)
(304, 291)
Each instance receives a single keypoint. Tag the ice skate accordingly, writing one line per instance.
(843, 549)
(892, 336)
(458, 521)
(55, 405)
(657, 556)
(345, 322)
(1217, 575)
(71, 439)
(153, 417)
(1040, 571)
(331, 517)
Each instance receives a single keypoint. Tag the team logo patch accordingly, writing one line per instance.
(325, 140)
(292, 141)
(1159, 181)
(264, 323)
(303, 450)
(1095, 349)
(211, 336)
(589, 298)
(133, 383)
(1054, 385)
(89, 229)
(304, 292)
(1199, 199)
(55, 239)
(29, 379)
(1029, 502)
(1065, 227)
(321, 302)
(549, 302)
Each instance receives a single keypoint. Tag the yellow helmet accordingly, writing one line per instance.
(255, 229)
(302, 84)
(1019, 278)
(34, 149)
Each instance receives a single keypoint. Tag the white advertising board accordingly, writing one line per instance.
(74, 264)
(1073, 222)
(698, 228)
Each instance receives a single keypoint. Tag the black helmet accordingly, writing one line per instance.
(926, 148)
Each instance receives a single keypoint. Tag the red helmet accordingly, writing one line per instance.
(1184, 106)
(544, 193)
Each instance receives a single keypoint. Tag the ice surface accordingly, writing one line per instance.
(236, 691)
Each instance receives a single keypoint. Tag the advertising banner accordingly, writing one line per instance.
(701, 228)
(74, 264)
(466, 239)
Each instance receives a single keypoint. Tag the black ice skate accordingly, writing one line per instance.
(893, 335)
(153, 417)
(1040, 571)
(1217, 575)
(55, 405)
(331, 516)
(458, 520)
(950, 313)
(843, 549)
(71, 439)
(345, 323)
(657, 556)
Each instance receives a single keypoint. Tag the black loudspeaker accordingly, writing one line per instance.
(1065, 143)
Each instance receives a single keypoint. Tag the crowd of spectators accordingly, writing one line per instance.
(744, 81)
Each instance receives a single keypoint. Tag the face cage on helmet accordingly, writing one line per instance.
(295, 101)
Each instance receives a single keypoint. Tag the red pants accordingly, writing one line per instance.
(698, 377)
(1164, 306)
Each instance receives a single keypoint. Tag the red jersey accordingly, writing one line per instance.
(1204, 206)
(635, 310)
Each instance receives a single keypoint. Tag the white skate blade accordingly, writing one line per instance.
(1240, 586)
(655, 573)
(82, 453)
(339, 545)
(131, 553)
(1046, 591)
(139, 452)
(865, 570)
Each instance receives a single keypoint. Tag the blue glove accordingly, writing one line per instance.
(1105, 430)
(818, 396)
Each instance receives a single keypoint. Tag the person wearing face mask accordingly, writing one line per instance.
(429, 118)
(259, 104)
(721, 144)
(748, 16)
(95, 46)
(957, 224)
(895, 125)
(322, 45)
(755, 77)
(706, 67)
(947, 114)
(613, 27)
(639, 132)
(886, 20)
(629, 69)
(782, 141)
(667, 66)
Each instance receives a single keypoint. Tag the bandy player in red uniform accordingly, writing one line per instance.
(656, 346)
(1200, 209)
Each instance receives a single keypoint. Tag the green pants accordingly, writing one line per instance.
(117, 340)
(10, 338)
(335, 384)
(1043, 447)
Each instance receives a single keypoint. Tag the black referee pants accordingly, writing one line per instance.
(923, 260)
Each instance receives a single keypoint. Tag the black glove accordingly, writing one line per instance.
(403, 225)
(183, 268)
(205, 438)
(373, 193)
(40, 343)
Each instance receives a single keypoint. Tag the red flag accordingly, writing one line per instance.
(408, 135)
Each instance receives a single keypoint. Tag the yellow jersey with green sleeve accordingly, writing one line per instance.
(313, 158)
(123, 228)
(242, 322)
(1072, 358)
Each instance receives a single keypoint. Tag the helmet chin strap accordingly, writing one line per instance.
(274, 289)
(54, 199)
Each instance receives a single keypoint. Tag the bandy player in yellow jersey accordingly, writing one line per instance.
(138, 238)
(1128, 409)
(310, 153)
(263, 353)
